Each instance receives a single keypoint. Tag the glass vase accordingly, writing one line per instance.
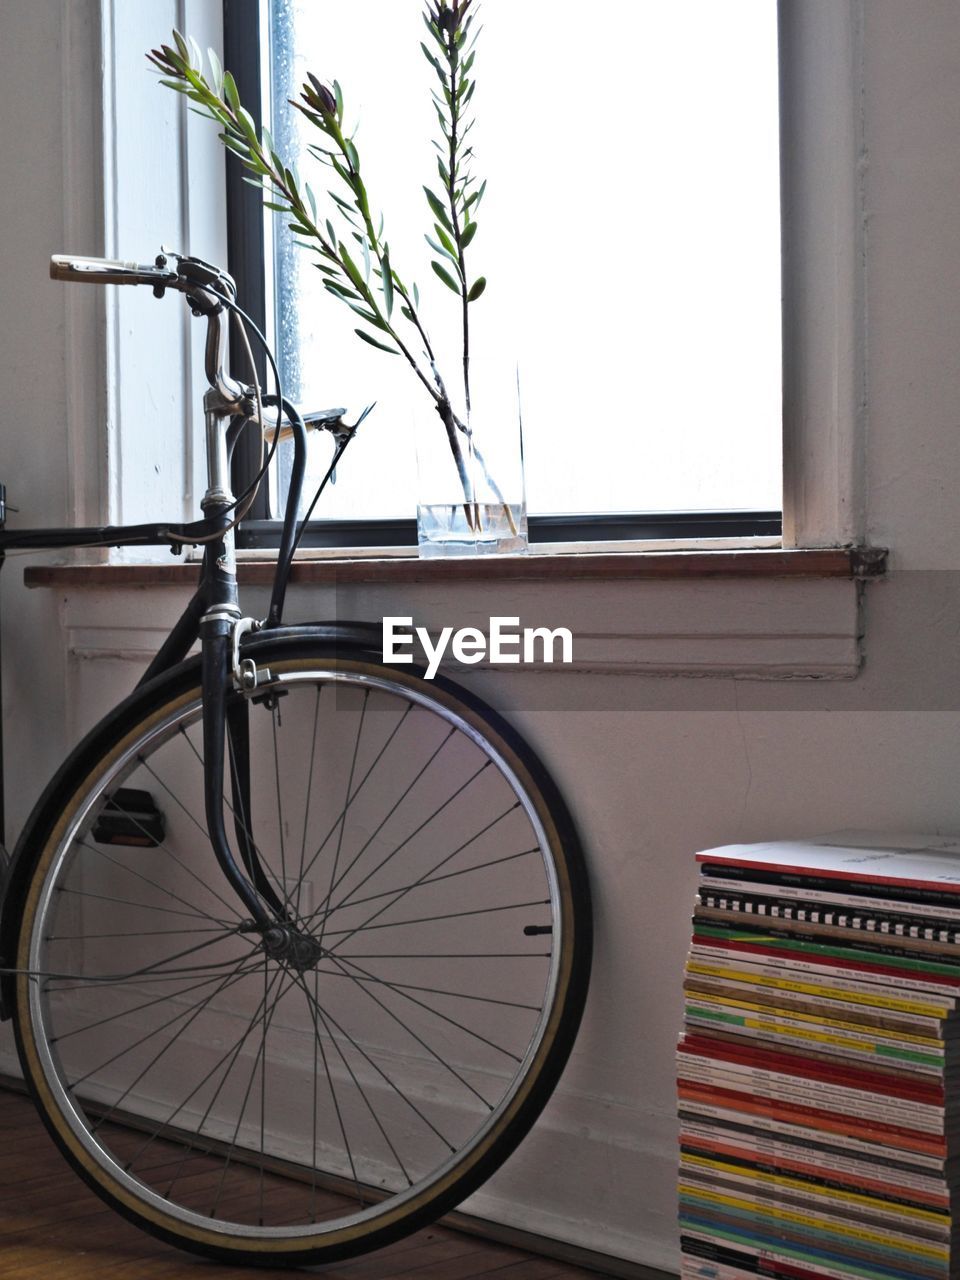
(470, 487)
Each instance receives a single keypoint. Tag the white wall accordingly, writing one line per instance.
(654, 767)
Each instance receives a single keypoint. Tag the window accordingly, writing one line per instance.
(630, 235)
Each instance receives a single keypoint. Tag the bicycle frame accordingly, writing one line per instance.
(213, 614)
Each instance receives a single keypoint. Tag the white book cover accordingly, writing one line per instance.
(925, 862)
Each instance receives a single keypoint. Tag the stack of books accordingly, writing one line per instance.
(818, 1067)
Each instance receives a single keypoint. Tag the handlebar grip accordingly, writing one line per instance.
(65, 266)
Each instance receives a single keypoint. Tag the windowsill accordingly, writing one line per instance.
(597, 566)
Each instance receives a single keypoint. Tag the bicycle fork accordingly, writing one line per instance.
(226, 734)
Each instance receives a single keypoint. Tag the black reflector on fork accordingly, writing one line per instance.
(130, 817)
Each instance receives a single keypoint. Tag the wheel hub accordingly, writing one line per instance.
(286, 943)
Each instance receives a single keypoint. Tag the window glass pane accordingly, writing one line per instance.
(629, 235)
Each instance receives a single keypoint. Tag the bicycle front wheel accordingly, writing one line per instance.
(305, 1108)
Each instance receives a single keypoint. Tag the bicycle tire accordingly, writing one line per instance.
(96, 1115)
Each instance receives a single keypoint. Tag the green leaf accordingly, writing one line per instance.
(331, 233)
(182, 45)
(438, 248)
(271, 204)
(469, 231)
(217, 69)
(366, 258)
(311, 200)
(439, 211)
(416, 295)
(340, 290)
(267, 142)
(351, 267)
(431, 58)
(476, 289)
(382, 346)
(387, 282)
(350, 151)
(338, 97)
(240, 148)
(444, 172)
(366, 314)
(447, 278)
(230, 90)
(408, 314)
(345, 208)
(249, 128)
(445, 241)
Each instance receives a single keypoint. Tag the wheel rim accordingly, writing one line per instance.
(414, 1074)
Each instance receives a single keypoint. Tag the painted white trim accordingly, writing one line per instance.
(824, 242)
(140, 171)
(83, 118)
(777, 629)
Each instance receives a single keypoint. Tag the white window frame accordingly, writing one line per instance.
(823, 240)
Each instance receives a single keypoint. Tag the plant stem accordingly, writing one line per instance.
(452, 60)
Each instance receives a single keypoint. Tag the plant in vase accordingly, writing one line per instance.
(358, 267)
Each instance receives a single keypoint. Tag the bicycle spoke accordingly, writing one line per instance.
(263, 1070)
(144, 933)
(436, 991)
(167, 893)
(265, 1021)
(347, 901)
(379, 1070)
(436, 1012)
(447, 915)
(329, 834)
(446, 955)
(198, 1006)
(306, 805)
(409, 1030)
(313, 1145)
(120, 980)
(323, 905)
(137, 1008)
(233, 1054)
(109, 979)
(315, 1012)
(240, 818)
(429, 877)
(200, 827)
(343, 824)
(144, 906)
(227, 982)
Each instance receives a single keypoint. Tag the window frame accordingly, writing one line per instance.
(243, 27)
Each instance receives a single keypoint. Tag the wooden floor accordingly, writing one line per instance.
(51, 1225)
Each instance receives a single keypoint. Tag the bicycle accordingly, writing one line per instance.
(295, 944)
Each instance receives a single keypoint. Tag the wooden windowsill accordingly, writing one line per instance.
(841, 562)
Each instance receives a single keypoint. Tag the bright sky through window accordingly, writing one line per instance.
(629, 236)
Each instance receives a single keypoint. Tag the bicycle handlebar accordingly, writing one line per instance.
(203, 283)
(65, 266)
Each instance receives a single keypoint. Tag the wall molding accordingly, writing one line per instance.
(779, 629)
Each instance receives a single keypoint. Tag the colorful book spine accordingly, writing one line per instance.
(818, 1068)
